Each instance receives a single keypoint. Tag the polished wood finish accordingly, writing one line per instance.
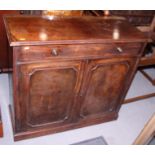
(144, 20)
(134, 99)
(51, 92)
(32, 53)
(147, 61)
(4, 52)
(76, 74)
(102, 89)
(1, 127)
(62, 12)
(84, 30)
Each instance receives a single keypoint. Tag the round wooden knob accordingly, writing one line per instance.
(54, 52)
(119, 49)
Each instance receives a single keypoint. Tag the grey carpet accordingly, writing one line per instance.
(152, 142)
(94, 141)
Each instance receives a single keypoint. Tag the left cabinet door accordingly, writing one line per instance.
(46, 93)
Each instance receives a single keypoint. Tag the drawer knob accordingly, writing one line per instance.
(54, 52)
(119, 49)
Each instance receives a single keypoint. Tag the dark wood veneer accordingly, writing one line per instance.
(69, 30)
(32, 53)
(76, 74)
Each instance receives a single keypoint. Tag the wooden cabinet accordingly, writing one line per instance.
(69, 78)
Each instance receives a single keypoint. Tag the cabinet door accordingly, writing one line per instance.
(105, 83)
(47, 92)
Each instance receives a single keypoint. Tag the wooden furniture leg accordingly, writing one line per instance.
(147, 133)
(1, 129)
(142, 97)
(148, 77)
(150, 60)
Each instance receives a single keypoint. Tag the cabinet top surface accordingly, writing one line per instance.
(37, 30)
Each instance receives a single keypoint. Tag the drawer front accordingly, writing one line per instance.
(28, 53)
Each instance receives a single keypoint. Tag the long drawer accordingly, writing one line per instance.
(28, 53)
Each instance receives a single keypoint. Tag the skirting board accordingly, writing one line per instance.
(1, 127)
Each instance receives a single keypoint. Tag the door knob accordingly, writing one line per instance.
(119, 49)
(55, 52)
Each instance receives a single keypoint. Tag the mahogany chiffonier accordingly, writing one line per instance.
(69, 72)
(1, 128)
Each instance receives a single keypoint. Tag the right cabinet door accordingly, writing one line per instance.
(105, 85)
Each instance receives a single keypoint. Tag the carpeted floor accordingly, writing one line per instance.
(93, 141)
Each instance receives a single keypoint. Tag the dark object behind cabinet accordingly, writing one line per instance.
(5, 64)
(73, 77)
(135, 17)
